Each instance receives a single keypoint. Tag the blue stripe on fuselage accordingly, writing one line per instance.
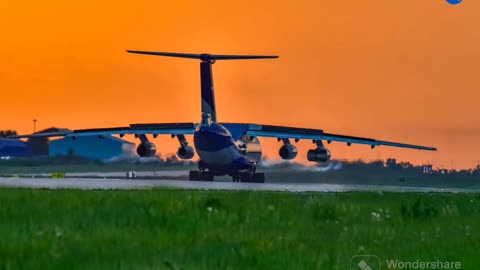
(212, 138)
(240, 164)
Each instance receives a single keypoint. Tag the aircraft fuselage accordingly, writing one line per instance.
(219, 152)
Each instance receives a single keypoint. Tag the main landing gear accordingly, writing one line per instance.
(249, 178)
(200, 176)
(205, 174)
(241, 177)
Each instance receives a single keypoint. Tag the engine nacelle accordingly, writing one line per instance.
(288, 151)
(320, 154)
(250, 145)
(185, 152)
(146, 149)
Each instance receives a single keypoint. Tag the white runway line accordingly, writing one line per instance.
(109, 184)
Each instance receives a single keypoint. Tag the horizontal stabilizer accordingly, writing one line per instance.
(205, 56)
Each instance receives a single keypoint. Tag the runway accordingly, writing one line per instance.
(126, 184)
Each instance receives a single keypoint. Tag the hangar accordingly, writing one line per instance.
(14, 148)
(92, 147)
(40, 145)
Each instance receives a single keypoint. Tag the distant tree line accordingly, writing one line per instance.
(405, 166)
(4, 133)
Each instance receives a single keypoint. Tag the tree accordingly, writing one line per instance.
(405, 165)
(476, 170)
(391, 163)
(7, 132)
(172, 159)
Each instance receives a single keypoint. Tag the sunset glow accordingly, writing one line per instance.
(378, 69)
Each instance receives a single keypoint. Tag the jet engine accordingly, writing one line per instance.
(185, 152)
(288, 151)
(146, 149)
(321, 154)
(250, 145)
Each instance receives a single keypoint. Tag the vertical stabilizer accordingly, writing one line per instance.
(206, 78)
(208, 97)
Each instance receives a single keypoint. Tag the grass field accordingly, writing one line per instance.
(172, 229)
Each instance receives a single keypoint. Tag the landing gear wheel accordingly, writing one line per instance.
(258, 177)
(207, 176)
(251, 178)
(200, 176)
(194, 176)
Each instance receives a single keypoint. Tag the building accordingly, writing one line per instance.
(40, 145)
(92, 147)
(427, 169)
(14, 148)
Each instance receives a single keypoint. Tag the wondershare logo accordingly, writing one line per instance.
(363, 265)
(372, 262)
(365, 262)
(454, 2)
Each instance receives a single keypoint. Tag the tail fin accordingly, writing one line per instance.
(206, 75)
(208, 94)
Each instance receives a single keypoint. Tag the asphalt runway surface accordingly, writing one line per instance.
(112, 181)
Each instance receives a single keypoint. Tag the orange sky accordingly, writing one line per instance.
(395, 70)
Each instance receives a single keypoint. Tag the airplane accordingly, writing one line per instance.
(231, 149)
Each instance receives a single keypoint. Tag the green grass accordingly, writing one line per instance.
(171, 229)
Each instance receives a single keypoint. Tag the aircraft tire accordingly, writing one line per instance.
(206, 176)
(194, 176)
(252, 178)
(258, 178)
(200, 176)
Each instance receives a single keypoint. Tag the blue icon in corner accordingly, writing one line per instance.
(454, 2)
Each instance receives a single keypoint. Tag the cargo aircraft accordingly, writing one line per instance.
(231, 149)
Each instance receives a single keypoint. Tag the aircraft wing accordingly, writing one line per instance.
(236, 129)
(282, 132)
(135, 129)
